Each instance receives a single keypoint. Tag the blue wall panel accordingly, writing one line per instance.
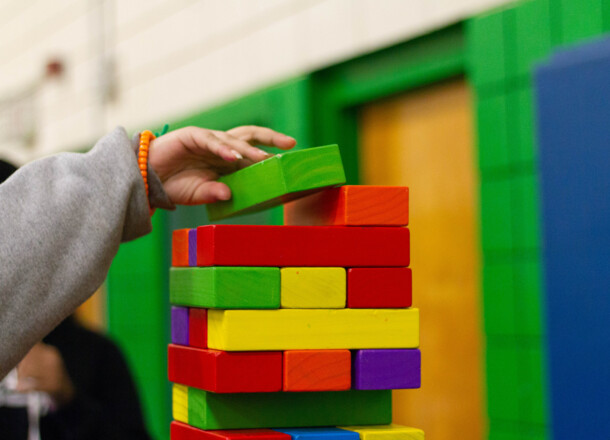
(573, 91)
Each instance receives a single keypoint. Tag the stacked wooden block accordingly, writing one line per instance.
(296, 327)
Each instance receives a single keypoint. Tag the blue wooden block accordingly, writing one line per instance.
(193, 247)
(320, 434)
(574, 135)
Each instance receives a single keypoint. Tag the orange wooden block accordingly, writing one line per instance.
(180, 247)
(351, 205)
(317, 370)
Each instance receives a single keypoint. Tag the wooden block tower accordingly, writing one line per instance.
(298, 331)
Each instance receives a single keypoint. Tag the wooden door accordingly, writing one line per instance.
(423, 139)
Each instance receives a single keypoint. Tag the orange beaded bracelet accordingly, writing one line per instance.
(145, 137)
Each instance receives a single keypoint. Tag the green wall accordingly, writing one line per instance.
(503, 49)
(496, 51)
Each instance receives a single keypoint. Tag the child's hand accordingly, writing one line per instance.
(43, 369)
(189, 160)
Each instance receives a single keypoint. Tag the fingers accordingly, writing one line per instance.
(245, 150)
(201, 140)
(224, 145)
(210, 192)
(263, 136)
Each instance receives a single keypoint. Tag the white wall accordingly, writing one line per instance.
(167, 58)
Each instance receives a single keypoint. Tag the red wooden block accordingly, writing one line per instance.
(182, 431)
(180, 247)
(351, 205)
(317, 370)
(317, 246)
(198, 327)
(379, 287)
(223, 371)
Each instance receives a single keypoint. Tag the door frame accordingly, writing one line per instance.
(340, 90)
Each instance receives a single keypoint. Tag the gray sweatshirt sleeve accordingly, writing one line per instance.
(62, 220)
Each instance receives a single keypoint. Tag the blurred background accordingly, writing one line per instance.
(438, 95)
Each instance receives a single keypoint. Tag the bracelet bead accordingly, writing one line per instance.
(145, 138)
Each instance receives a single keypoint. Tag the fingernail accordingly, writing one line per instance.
(237, 154)
(265, 153)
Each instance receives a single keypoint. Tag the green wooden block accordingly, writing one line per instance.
(533, 399)
(225, 287)
(528, 294)
(503, 382)
(263, 410)
(581, 19)
(532, 40)
(498, 299)
(279, 179)
(485, 40)
(496, 230)
(525, 217)
(492, 132)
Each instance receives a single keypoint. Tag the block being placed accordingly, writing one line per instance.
(180, 248)
(320, 434)
(198, 328)
(192, 237)
(351, 205)
(295, 246)
(379, 287)
(182, 431)
(225, 287)
(386, 369)
(180, 325)
(386, 432)
(279, 179)
(207, 410)
(225, 372)
(313, 287)
(303, 329)
(317, 370)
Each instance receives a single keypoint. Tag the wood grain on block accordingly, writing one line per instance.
(225, 287)
(225, 372)
(313, 246)
(386, 432)
(180, 325)
(320, 434)
(198, 327)
(180, 247)
(351, 205)
(317, 370)
(313, 287)
(182, 431)
(386, 369)
(207, 410)
(192, 237)
(180, 403)
(279, 179)
(379, 287)
(303, 329)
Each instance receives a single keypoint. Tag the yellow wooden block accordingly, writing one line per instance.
(180, 403)
(294, 329)
(313, 287)
(386, 432)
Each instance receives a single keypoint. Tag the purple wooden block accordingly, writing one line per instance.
(193, 247)
(386, 369)
(180, 325)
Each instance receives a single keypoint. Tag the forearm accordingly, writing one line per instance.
(62, 220)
